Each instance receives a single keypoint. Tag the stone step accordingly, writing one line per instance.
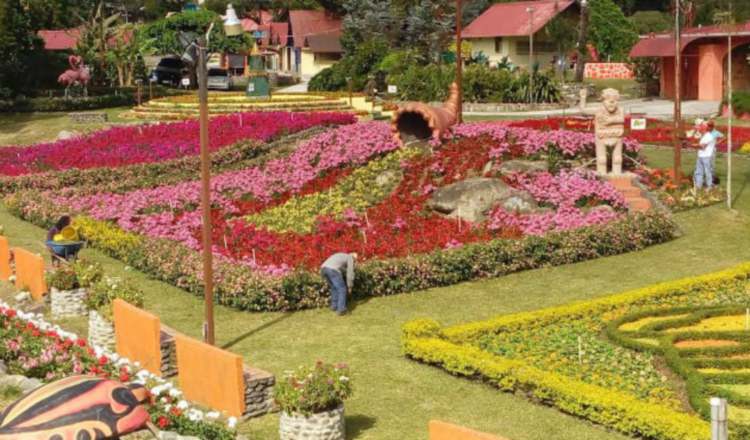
(639, 204)
(633, 191)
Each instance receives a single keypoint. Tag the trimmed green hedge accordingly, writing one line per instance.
(124, 97)
(455, 350)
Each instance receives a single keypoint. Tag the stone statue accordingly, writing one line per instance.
(609, 127)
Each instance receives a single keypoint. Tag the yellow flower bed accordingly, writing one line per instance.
(456, 350)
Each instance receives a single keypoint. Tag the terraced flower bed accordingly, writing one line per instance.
(643, 362)
(186, 106)
(353, 189)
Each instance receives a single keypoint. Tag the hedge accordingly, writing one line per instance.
(454, 350)
(239, 287)
(123, 97)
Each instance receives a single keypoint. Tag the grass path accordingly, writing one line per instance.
(30, 128)
(394, 398)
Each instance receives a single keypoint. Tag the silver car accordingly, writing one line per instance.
(219, 79)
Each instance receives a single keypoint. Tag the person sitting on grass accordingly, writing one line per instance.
(56, 240)
(332, 270)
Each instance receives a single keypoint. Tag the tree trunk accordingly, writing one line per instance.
(120, 75)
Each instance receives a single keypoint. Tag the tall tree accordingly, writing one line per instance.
(429, 29)
(609, 31)
(18, 42)
(56, 14)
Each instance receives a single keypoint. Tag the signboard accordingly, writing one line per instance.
(392, 89)
(638, 124)
(185, 82)
(250, 87)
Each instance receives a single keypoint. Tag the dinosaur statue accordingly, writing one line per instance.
(78, 74)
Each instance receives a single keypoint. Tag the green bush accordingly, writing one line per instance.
(106, 290)
(97, 99)
(63, 278)
(313, 390)
(740, 102)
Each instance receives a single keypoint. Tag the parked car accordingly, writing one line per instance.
(169, 71)
(219, 79)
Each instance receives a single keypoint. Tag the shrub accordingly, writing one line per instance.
(63, 278)
(88, 273)
(104, 292)
(308, 391)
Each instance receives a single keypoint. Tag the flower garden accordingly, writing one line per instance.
(279, 213)
(620, 361)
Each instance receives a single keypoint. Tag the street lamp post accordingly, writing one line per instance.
(730, 93)
(581, 64)
(530, 10)
(459, 65)
(232, 27)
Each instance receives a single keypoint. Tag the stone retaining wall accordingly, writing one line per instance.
(101, 331)
(500, 107)
(87, 118)
(258, 392)
(168, 352)
(68, 303)
(323, 426)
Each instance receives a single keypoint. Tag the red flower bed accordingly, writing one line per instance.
(127, 145)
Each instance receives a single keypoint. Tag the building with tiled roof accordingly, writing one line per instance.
(503, 30)
(314, 42)
(62, 39)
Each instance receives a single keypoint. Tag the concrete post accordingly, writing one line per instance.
(719, 419)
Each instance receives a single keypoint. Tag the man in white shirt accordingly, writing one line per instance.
(704, 164)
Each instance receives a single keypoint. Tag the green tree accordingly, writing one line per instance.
(609, 31)
(97, 31)
(429, 29)
(646, 22)
(18, 42)
(165, 34)
(57, 14)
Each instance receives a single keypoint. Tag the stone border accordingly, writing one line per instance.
(68, 303)
(258, 392)
(101, 331)
(328, 425)
(479, 107)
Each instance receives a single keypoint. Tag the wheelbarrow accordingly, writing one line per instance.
(65, 250)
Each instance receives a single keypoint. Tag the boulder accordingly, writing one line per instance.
(523, 166)
(66, 134)
(471, 199)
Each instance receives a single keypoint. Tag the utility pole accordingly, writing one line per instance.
(530, 10)
(676, 138)
(582, 31)
(459, 65)
(730, 21)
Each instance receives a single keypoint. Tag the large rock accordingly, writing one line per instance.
(67, 134)
(523, 166)
(471, 199)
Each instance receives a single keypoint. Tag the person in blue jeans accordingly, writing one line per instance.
(338, 271)
(704, 164)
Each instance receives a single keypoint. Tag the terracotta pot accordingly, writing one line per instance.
(420, 121)
(328, 425)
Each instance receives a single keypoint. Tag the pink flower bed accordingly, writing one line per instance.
(576, 198)
(127, 145)
(134, 211)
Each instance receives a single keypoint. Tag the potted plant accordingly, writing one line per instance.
(312, 402)
(69, 284)
(99, 301)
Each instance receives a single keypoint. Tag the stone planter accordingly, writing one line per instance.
(101, 331)
(322, 426)
(68, 303)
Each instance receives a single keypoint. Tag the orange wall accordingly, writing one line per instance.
(711, 71)
(210, 376)
(5, 272)
(137, 335)
(446, 431)
(30, 272)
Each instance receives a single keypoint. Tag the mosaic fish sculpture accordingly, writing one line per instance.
(76, 408)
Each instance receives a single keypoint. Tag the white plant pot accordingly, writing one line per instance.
(101, 331)
(68, 303)
(321, 426)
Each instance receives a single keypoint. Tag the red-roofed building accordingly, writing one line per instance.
(704, 58)
(314, 42)
(63, 39)
(503, 30)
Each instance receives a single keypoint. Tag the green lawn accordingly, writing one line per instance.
(29, 128)
(394, 398)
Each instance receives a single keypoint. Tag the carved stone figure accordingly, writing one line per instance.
(609, 127)
(420, 121)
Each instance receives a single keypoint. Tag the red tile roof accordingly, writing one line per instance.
(249, 25)
(64, 39)
(274, 34)
(324, 43)
(513, 20)
(662, 45)
(307, 23)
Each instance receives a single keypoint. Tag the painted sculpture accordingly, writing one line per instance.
(77, 407)
(609, 128)
(420, 121)
(77, 75)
